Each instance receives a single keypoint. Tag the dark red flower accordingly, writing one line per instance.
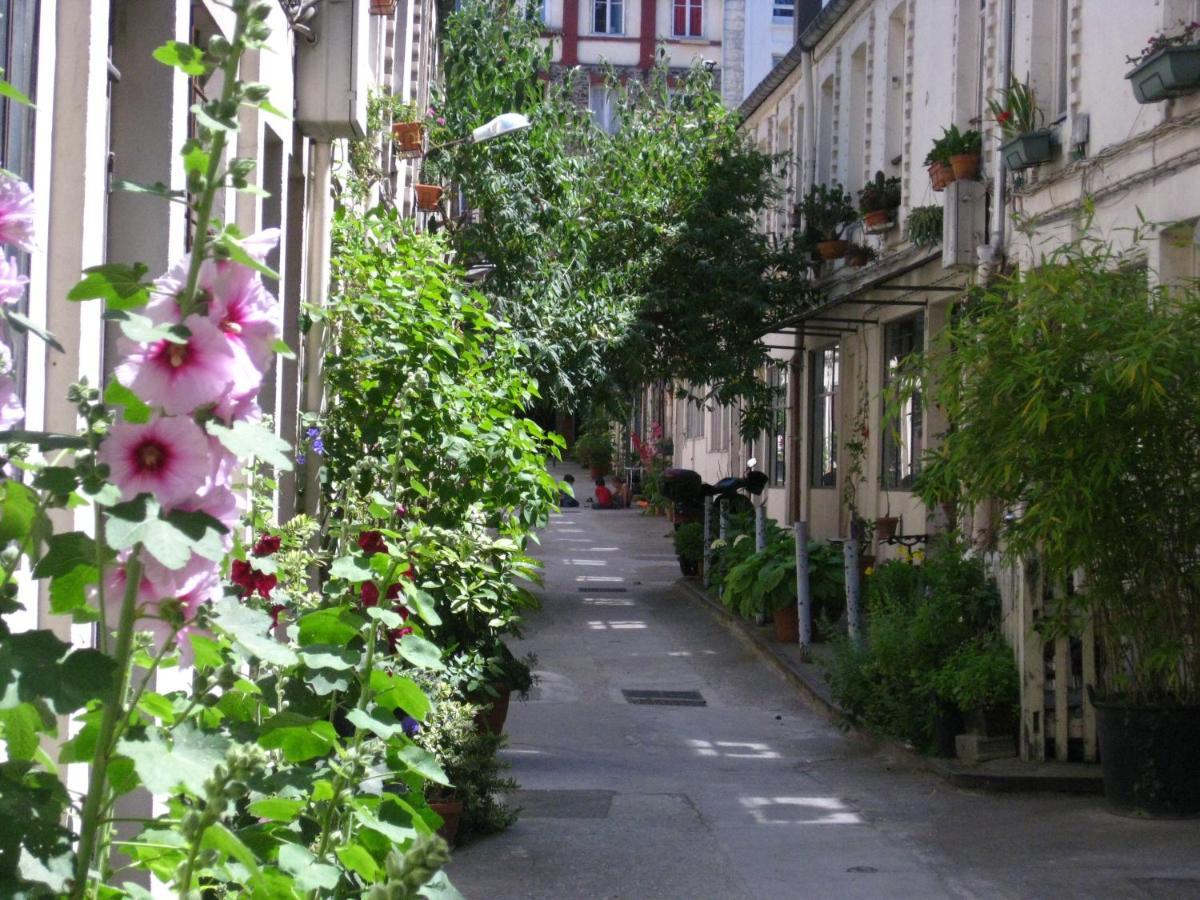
(264, 584)
(400, 511)
(369, 594)
(1003, 117)
(395, 634)
(267, 544)
(393, 592)
(276, 611)
(410, 573)
(372, 542)
(243, 575)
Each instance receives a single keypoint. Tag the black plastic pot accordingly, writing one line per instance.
(1168, 73)
(1027, 150)
(689, 567)
(1151, 759)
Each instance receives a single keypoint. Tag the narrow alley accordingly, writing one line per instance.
(752, 794)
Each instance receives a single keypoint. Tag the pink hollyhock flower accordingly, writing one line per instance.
(11, 410)
(167, 457)
(219, 502)
(248, 316)
(16, 213)
(12, 282)
(181, 378)
(238, 408)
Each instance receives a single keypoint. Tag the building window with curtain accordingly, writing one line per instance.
(903, 433)
(822, 442)
(688, 18)
(775, 448)
(608, 17)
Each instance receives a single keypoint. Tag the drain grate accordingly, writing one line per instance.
(602, 590)
(665, 698)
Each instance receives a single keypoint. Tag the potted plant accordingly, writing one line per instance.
(963, 149)
(937, 162)
(408, 131)
(923, 227)
(1105, 486)
(594, 449)
(1027, 143)
(981, 680)
(1168, 66)
(878, 202)
(827, 211)
(859, 255)
(689, 547)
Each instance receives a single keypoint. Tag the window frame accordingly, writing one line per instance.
(775, 437)
(783, 18)
(690, 9)
(609, 7)
(900, 459)
(823, 410)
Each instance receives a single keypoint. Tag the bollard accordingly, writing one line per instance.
(724, 520)
(853, 585)
(760, 529)
(803, 593)
(708, 509)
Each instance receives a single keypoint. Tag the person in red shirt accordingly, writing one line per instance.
(604, 497)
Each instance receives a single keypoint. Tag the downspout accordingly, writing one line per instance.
(810, 119)
(316, 279)
(991, 255)
(795, 462)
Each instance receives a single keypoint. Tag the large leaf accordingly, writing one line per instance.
(298, 737)
(171, 538)
(337, 625)
(249, 629)
(36, 665)
(186, 761)
(249, 439)
(310, 875)
(185, 57)
(421, 653)
(397, 692)
(118, 285)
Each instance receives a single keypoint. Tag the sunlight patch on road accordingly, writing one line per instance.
(607, 601)
(733, 749)
(586, 562)
(800, 811)
(617, 625)
(604, 578)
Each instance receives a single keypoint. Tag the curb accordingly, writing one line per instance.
(1053, 779)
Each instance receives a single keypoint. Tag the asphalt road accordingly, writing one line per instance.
(751, 795)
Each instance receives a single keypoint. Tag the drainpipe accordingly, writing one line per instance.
(810, 120)
(992, 254)
(316, 279)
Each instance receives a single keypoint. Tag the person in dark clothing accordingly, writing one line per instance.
(567, 499)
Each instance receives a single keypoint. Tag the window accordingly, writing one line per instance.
(603, 107)
(902, 436)
(608, 16)
(823, 429)
(718, 428)
(783, 11)
(693, 418)
(688, 18)
(775, 464)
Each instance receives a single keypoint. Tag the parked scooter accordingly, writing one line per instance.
(686, 490)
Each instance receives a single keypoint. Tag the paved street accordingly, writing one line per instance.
(751, 795)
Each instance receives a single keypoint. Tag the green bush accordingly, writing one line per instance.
(689, 541)
(931, 640)
(766, 581)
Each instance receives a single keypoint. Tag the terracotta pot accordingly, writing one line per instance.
(787, 624)
(494, 711)
(409, 136)
(877, 217)
(940, 175)
(831, 250)
(451, 813)
(429, 196)
(383, 7)
(885, 527)
(857, 261)
(965, 166)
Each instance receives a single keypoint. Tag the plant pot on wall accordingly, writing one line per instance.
(831, 250)
(451, 813)
(493, 711)
(1170, 72)
(878, 220)
(787, 624)
(1027, 150)
(940, 175)
(409, 138)
(429, 196)
(965, 166)
(1148, 754)
(383, 7)
(885, 527)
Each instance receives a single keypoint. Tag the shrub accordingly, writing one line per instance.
(689, 541)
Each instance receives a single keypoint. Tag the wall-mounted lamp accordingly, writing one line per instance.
(502, 124)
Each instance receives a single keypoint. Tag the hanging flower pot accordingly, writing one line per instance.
(383, 7)
(885, 527)
(409, 138)
(1170, 72)
(965, 166)
(1027, 150)
(429, 197)
(831, 250)
(940, 175)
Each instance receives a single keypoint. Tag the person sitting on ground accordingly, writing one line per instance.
(566, 498)
(604, 497)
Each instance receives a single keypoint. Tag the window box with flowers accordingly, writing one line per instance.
(1027, 143)
(1169, 66)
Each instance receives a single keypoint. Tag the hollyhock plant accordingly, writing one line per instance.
(371, 542)
(166, 457)
(16, 213)
(248, 316)
(11, 410)
(181, 378)
(12, 282)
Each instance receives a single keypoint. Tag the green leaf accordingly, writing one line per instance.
(207, 651)
(23, 324)
(43, 439)
(188, 59)
(420, 652)
(8, 90)
(238, 254)
(420, 603)
(68, 551)
(158, 189)
(118, 285)
(310, 875)
(116, 394)
(351, 568)
(21, 725)
(218, 837)
(278, 809)
(298, 737)
(267, 107)
(387, 617)
(186, 762)
(249, 629)
(18, 510)
(361, 719)
(397, 692)
(281, 347)
(36, 665)
(249, 439)
(171, 539)
(439, 888)
(56, 480)
(329, 626)
(423, 763)
(158, 706)
(358, 860)
(338, 658)
(144, 330)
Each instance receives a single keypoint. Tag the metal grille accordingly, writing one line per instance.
(601, 590)
(665, 698)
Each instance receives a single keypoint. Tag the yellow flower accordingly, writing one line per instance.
(918, 556)
(869, 571)
(903, 553)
